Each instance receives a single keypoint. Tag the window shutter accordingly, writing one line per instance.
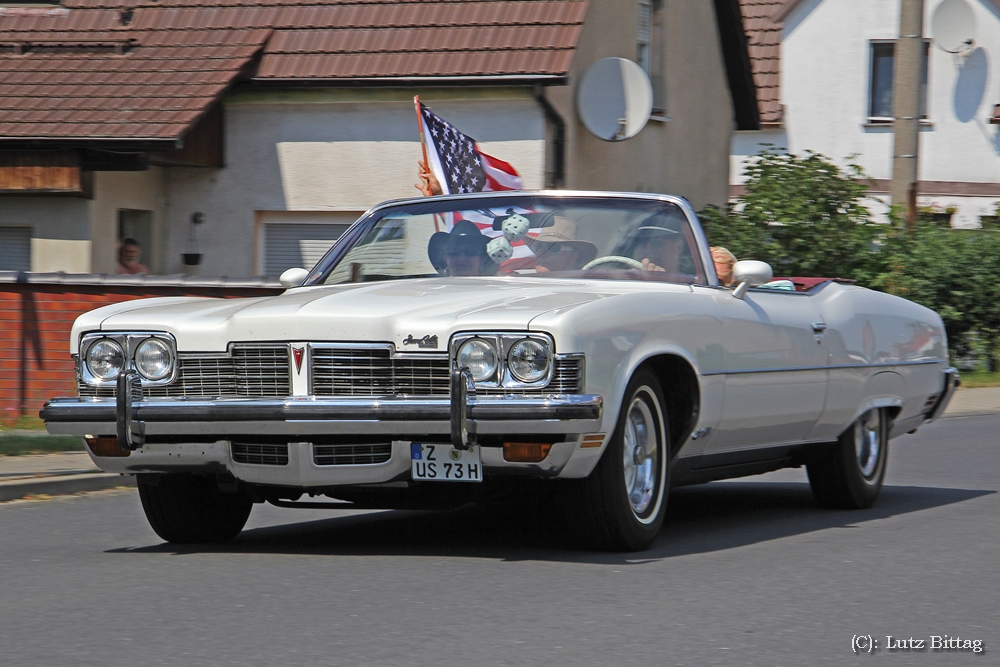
(290, 245)
(645, 33)
(15, 248)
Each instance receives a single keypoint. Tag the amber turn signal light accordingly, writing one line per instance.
(105, 446)
(592, 440)
(525, 452)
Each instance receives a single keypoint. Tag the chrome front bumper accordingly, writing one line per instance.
(177, 435)
(220, 419)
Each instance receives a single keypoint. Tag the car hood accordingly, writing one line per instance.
(392, 311)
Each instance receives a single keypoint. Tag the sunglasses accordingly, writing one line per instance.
(462, 252)
(550, 248)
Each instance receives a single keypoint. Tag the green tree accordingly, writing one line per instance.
(803, 215)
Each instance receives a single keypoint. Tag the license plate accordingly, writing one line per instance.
(443, 463)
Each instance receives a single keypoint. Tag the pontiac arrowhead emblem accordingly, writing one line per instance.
(297, 353)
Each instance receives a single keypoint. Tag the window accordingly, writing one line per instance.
(138, 226)
(880, 95)
(644, 48)
(649, 50)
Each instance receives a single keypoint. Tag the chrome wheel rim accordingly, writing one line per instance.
(640, 456)
(868, 442)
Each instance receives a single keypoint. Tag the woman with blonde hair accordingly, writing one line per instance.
(724, 262)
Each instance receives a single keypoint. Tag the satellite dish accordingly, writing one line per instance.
(614, 99)
(953, 26)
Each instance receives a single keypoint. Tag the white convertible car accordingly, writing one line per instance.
(445, 345)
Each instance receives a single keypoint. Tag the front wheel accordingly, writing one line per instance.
(185, 508)
(850, 474)
(622, 504)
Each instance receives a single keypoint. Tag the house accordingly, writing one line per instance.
(823, 71)
(246, 135)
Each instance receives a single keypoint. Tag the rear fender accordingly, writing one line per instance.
(883, 390)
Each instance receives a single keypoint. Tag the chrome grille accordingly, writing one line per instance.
(252, 370)
(373, 371)
(264, 455)
(261, 370)
(352, 455)
(200, 376)
(567, 376)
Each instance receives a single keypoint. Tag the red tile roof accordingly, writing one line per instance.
(764, 44)
(136, 70)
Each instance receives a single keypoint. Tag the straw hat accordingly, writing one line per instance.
(562, 230)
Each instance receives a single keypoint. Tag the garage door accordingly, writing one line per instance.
(15, 248)
(299, 239)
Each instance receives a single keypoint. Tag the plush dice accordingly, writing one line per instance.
(515, 227)
(499, 249)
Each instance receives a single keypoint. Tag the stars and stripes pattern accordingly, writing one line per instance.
(458, 163)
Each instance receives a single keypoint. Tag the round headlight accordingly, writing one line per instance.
(105, 359)
(528, 360)
(153, 359)
(480, 357)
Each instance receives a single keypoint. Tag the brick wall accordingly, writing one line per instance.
(35, 323)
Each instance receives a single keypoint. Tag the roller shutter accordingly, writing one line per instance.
(15, 248)
(289, 241)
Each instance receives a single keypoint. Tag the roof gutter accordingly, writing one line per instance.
(108, 143)
(401, 81)
(558, 140)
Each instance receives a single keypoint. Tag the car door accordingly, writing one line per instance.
(775, 369)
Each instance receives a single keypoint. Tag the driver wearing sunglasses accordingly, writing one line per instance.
(461, 252)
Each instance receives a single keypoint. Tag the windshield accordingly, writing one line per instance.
(609, 238)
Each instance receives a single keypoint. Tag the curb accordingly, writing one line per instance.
(971, 413)
(62, 485)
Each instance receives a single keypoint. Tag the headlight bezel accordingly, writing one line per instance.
(487, 344)
(153, 340)
(129, 341)
(511, 366)
(502, 343)
(119, 350)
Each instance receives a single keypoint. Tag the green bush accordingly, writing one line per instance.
(954, 272)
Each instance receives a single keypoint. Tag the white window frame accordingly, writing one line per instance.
(870, 81)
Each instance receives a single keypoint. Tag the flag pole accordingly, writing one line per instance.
(420, 124)
(423, 146)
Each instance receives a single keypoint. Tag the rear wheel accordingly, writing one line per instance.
(850, 474)
(187, 508)
(622, 504)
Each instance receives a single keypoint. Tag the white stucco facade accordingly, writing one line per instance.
(825, 88)
(328, 150)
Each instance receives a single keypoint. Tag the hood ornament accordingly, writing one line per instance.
(425, 342)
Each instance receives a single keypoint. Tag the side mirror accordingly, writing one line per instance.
(293, 277)
(750, 273)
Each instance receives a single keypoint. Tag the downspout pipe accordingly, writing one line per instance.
(558, 141)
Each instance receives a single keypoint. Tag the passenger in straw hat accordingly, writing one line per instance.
(557, 247)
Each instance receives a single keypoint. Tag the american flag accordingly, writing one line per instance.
(458, 163)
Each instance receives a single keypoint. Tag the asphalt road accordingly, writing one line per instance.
(748, 572)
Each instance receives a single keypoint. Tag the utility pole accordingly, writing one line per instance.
(906, 80)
